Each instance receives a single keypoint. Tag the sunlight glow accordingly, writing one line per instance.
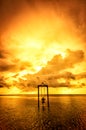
(31, 40)
(14, 90)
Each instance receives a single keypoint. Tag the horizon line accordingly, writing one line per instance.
(43, 94)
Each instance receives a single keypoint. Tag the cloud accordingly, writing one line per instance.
(13, 66)
(35, 35)
(3, 82)
(81, 75)
(6, 67)
(58, 64)
(53, 74)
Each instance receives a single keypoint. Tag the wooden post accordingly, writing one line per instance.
(47, 96)
(38, 96)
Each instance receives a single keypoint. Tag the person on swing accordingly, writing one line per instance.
(43, 100)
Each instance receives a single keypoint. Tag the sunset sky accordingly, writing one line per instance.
(43, 41)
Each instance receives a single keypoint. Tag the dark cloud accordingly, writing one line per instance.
(3, 53)
(14, 66)
(3, 82)
(6, 67)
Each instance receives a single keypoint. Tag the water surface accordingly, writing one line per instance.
(22, 113)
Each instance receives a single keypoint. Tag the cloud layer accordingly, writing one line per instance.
(42, 41)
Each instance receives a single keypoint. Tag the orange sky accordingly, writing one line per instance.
(43, 42)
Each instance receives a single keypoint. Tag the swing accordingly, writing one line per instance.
(43, 97)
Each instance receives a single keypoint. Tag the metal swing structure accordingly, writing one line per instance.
(43, 100)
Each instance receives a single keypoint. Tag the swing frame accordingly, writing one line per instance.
(43, 86)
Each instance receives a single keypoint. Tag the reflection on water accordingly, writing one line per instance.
(22, 113)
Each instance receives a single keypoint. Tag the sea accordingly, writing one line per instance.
(64, 112)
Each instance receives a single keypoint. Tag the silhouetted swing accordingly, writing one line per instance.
(44, 96)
